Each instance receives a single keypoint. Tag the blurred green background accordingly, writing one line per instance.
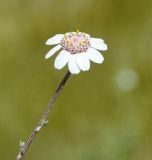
(103, 114)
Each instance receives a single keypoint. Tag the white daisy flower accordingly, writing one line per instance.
(77, 50)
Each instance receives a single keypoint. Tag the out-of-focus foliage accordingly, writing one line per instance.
(103, 114)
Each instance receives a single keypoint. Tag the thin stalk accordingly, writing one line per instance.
(43, 121)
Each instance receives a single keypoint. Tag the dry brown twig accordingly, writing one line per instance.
(43, 121)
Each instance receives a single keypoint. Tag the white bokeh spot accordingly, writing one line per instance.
(126, 79)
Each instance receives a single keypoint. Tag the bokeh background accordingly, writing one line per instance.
(103, 114)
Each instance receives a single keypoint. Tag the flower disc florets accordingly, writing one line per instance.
(75, 42)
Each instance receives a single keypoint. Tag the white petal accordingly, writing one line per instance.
(73, 68)
(95, 55)
(83, 61)
(62, 59)
(87, 35)
(97, 39)
(98, 44)
(55, 40)
(52, 51)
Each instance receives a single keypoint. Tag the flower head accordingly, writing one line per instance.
(78, 49)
